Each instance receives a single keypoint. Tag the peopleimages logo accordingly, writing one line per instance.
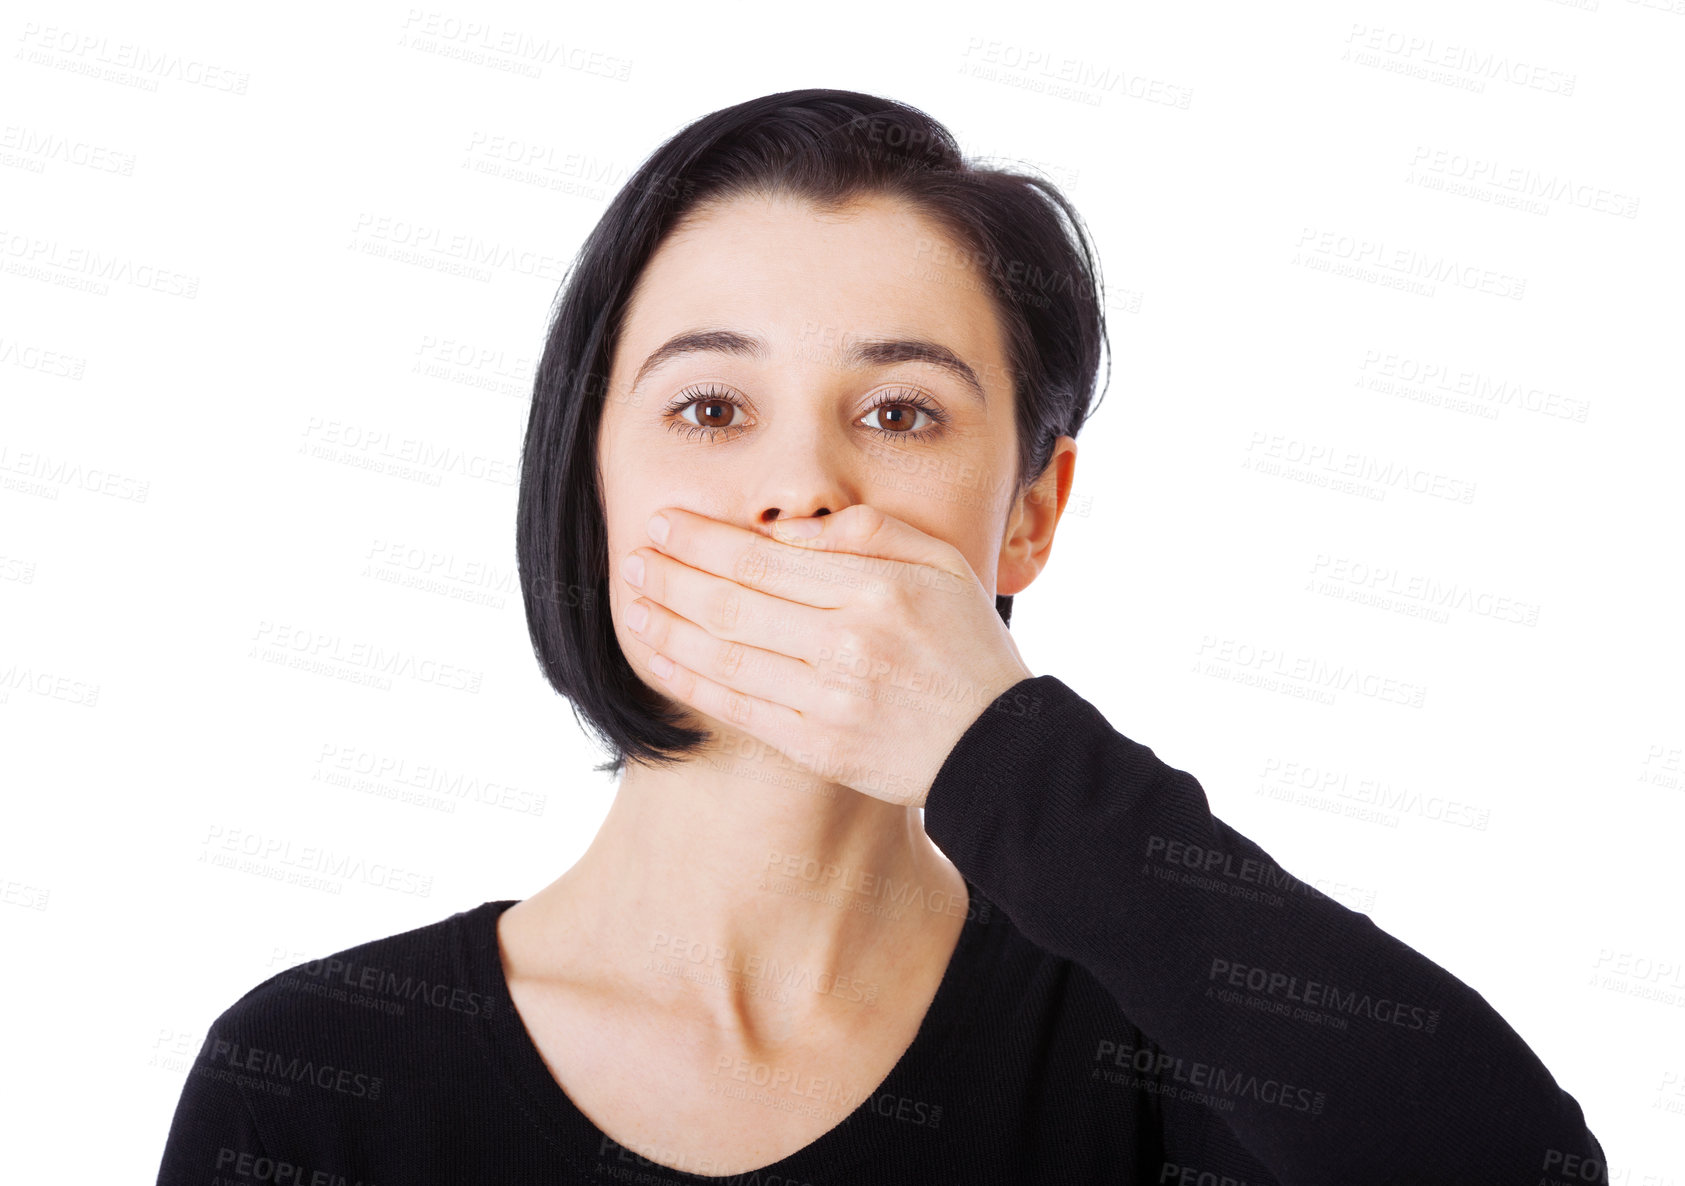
(368, 979)
(1191, 1079)
(1316, 994)
(240, 1057)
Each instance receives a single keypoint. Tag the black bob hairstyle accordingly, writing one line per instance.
(826, 147)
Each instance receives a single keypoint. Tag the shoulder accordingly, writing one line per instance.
(431, 976)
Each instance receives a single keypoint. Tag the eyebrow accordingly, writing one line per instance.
(871, 352)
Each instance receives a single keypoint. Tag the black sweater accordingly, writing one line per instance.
(1138, 995)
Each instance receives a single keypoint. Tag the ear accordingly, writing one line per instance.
(1028, 542)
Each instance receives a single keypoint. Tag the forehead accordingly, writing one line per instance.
(806, 279)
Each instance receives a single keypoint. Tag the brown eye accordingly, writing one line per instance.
(710, 413)
(714, 413)
(896, 418)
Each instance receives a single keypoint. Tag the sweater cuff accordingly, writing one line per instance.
(1011, 746)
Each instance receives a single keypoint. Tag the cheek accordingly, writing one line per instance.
(626, 508)
(623, 537)
(972, 532)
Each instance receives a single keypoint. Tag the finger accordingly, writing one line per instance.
(740, 668)
(863, 530)
(731, 611)
(810, 576)
(778, 726)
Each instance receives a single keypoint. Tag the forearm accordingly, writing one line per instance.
(1344, 1054)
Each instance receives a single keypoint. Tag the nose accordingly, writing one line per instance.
(804, 474)
(804, 462)
(772, 513)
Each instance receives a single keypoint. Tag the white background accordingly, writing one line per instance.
(187, 479)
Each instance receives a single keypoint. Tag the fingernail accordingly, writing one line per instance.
(657, 527)
(632, 568)
(637, 616)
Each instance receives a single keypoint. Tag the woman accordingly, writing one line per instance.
(803, 425)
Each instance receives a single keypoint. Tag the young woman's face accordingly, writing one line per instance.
(792, 420)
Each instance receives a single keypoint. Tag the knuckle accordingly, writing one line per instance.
(737, 708)
(727, 609)
(752, 567)
(875, 597)
(731, 658)
(871, 519)
(852, 709)
(853, 642)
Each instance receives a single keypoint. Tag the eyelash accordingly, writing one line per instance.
(711, 394)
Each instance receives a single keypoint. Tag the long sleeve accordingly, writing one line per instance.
(213, 1136)
(1333, 1052)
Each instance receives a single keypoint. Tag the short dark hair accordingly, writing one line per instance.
(828, 147)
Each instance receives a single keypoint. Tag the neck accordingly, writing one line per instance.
(785, 896)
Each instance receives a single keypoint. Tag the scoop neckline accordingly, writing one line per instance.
(575, 1136)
